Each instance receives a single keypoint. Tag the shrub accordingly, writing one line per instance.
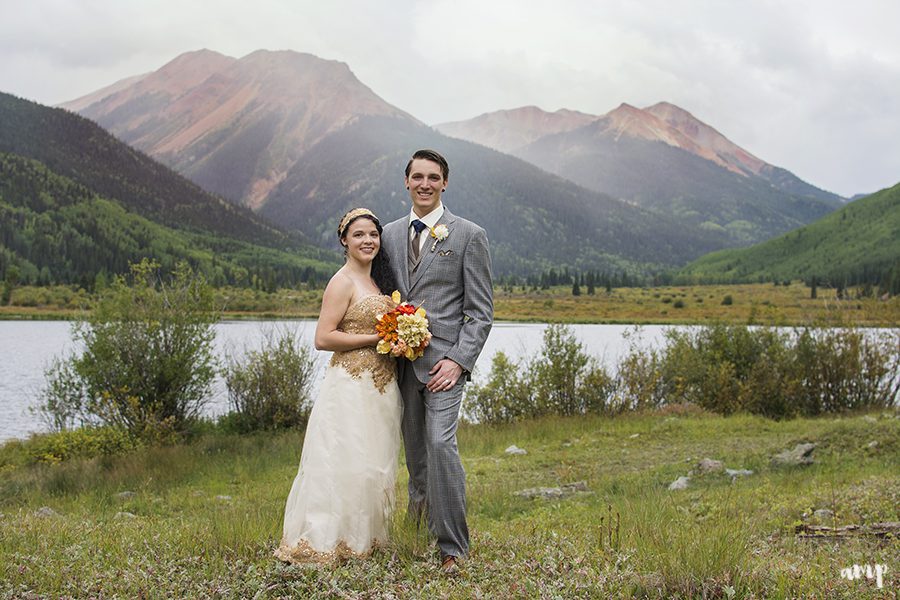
(85, 442)
(764, 371)
(562, 380)
(269, 388)
(506, 396)
(63, 396)
(639, 383)
(147, 362)
(846, 369)
(727, 300)
(565, 380)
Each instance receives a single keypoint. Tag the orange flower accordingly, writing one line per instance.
(414, 325)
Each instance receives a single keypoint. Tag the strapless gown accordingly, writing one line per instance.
(342, 498)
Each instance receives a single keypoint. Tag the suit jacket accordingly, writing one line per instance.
(453, 284)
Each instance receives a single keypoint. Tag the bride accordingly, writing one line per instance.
(343, 495)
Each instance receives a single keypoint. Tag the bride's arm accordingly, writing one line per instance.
(335, 302)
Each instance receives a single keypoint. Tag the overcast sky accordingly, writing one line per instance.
(809, 85)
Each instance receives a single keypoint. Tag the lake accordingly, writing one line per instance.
(28, 347)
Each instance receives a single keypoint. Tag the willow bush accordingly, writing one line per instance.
(777, 373)
(269, 388)
(147, 361)
(561, 380)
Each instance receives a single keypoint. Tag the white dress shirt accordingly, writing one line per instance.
(431, 219)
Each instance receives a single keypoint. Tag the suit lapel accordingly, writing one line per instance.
(401, 255)
(427, 256)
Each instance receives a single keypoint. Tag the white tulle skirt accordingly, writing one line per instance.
(343, 496)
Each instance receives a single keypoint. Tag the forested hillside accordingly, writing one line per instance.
(75, 147)
(54, 230)
(76, 204)
(858, 244)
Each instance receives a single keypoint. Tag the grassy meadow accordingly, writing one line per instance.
(204, 517)
(759, 303)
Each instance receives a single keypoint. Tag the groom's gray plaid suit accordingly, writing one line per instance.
(453, 284)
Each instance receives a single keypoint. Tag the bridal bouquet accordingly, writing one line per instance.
(403, 330)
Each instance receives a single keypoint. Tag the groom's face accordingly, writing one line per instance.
(425, 182)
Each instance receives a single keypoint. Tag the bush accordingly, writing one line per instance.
(727, 300)
(85, 442)
(506, 396)
(639, 383)
(269, 388)
(147, 362)
(764, 371)
(562, 380)
(63, 396)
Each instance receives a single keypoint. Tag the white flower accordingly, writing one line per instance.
(439, 232)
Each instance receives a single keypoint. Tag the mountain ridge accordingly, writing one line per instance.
(276, 104)
(75, 201)
(299, 139)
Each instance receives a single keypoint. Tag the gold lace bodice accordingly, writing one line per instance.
(360, 318)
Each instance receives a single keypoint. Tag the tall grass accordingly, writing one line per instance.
(627, 537)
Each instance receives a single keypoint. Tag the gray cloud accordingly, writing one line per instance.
(810, 86)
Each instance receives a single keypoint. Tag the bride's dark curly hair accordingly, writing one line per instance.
(381, 265)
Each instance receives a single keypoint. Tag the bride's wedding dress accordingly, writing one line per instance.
(343, 495)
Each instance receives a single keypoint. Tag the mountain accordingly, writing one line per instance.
(664, 159)
(534, 220)
(509, 130)
(75, 202)
(859, 243)
(236, 127)
(733, 157)
(300, 140)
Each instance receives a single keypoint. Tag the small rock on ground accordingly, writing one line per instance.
(223, 498)
(515, 450)
(680, 484)
(801, 454)
(45, 511)
(824, 514)
(125, 495)
(125, 515)
(551, 493)
(708, 465)
(735, 473)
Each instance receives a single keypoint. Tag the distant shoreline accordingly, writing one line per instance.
(751, 304)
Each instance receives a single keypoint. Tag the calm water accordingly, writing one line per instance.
(28, 347)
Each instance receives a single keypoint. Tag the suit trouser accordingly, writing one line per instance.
(436, 476)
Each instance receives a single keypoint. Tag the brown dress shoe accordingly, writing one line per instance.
(450, 565)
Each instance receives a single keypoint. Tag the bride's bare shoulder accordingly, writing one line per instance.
(340, 288)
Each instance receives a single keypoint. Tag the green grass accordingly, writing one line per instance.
(628, 537)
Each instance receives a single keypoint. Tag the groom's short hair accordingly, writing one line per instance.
(434, 157)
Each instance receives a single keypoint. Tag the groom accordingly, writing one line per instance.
(441, 262)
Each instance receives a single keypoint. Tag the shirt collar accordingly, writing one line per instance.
(431, 219)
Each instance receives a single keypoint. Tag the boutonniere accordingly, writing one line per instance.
(439, 232)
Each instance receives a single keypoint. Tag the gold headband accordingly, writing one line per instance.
(356, 212)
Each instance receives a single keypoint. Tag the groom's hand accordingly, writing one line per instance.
(444, 375)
